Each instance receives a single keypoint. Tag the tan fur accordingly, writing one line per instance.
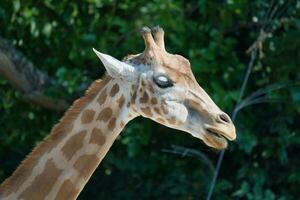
(52, 172)
(12, 183)
(67, 191)
(115, 89)
(147, 111)
(121, 101)
(97, 137)
(172, 120)
(102, 97)
(105, 114)
(73, 144)
(85, 164)
(87, 116)
(112, 124)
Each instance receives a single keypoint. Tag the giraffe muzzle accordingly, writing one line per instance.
(218, 135)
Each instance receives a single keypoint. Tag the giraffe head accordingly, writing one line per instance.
(165, 90)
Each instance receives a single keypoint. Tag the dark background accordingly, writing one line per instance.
(150, 161)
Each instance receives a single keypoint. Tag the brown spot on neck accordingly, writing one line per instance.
(86, 164)
(97, 137)
(73, 144)
(19, 176)
(67, 191)
(102, 97)
(42, 183)
(59, 131)
(105, 114)
(121, 101)
(114, 90)
(87, 116)
(112, 124)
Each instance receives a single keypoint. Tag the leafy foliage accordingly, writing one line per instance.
(263, 164)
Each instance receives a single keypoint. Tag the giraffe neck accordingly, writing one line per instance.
(60, 166)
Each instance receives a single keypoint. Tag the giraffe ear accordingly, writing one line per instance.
(116, 68)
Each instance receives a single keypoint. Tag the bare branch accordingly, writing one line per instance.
(255, 49)
(183, 151)
(26, 78)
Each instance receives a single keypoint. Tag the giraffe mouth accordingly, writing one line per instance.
(217, 133)
(214, 133)
(216, 138)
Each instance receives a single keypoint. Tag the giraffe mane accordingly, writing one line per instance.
(58, 131)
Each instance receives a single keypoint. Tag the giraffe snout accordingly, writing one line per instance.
(222, 126)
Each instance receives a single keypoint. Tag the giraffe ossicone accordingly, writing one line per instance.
(155, 84)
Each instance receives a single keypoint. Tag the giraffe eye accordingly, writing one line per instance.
(163, 81)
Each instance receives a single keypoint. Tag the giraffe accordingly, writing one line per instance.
(154, 84)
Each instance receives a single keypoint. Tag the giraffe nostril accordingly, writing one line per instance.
(224, 118)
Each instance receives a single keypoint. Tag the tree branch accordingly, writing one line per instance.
(23, 76)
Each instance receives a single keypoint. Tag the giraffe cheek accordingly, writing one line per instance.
(177, 112)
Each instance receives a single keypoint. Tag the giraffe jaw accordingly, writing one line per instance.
(215, 139)
(218, 137)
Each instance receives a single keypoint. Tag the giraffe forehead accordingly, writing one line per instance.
(185, 78)
(157, 59)
(155, 62)
(177, 63)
